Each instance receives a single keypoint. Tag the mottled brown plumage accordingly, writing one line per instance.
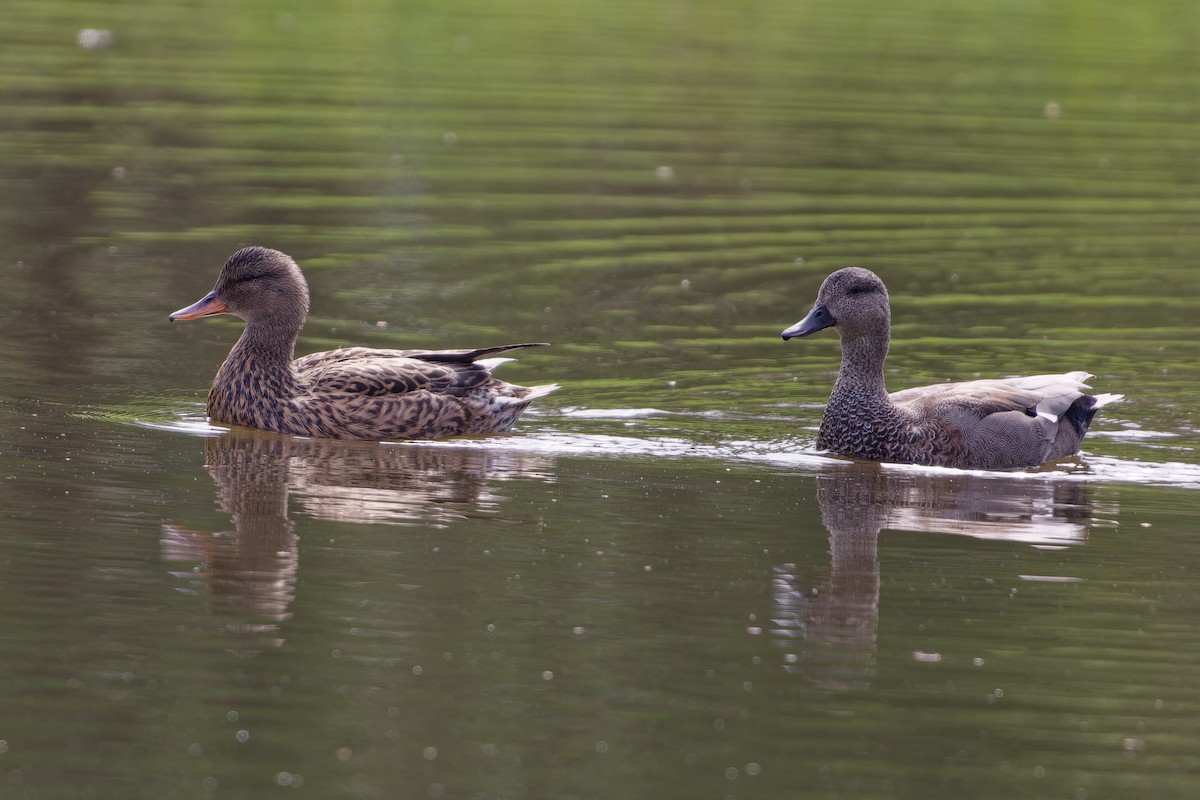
(986, 424)
(352, 393)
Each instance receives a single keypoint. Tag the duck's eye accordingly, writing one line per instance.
(858, 288)
(253, 277)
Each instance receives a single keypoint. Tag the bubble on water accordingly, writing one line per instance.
(94, 38)
(664, 173)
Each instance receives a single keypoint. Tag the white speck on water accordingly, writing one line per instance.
(94, 38)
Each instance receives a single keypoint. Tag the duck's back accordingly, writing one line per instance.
(358, 392)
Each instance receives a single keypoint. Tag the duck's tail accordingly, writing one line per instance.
(1084, 409)
(471, 356)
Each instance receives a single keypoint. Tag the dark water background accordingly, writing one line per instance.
(655, 587)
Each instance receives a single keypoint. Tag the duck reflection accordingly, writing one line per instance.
(828, 631)
(249, 574)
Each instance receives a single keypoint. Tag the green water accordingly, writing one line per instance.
(655, 587)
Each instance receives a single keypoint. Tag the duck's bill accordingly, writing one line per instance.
(817, 320)
(206, 306)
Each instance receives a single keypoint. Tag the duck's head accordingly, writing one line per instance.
(257, 284)
(852, 301)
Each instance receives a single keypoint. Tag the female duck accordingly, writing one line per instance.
(987, 424)
(351, 393)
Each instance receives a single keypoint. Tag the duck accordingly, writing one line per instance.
(351, 392)
(1005, 423)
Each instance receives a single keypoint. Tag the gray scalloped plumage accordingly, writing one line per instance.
(984, 424)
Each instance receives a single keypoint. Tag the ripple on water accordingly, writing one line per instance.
(659, 439)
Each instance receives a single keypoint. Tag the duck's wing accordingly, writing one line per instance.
(369, 372)
(349, 354)
(1046, 396)
(361, 393)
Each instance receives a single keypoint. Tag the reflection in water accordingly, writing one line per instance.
(250, 573)
(829, 631)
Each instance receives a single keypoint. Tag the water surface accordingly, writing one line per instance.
(656, 586)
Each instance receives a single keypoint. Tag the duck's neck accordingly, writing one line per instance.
(860, 377)
(257, 380)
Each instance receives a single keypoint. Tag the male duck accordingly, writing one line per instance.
(351, 393)
(986, 424)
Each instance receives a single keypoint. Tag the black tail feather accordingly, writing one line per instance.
(1081, 413)
(469, 356)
